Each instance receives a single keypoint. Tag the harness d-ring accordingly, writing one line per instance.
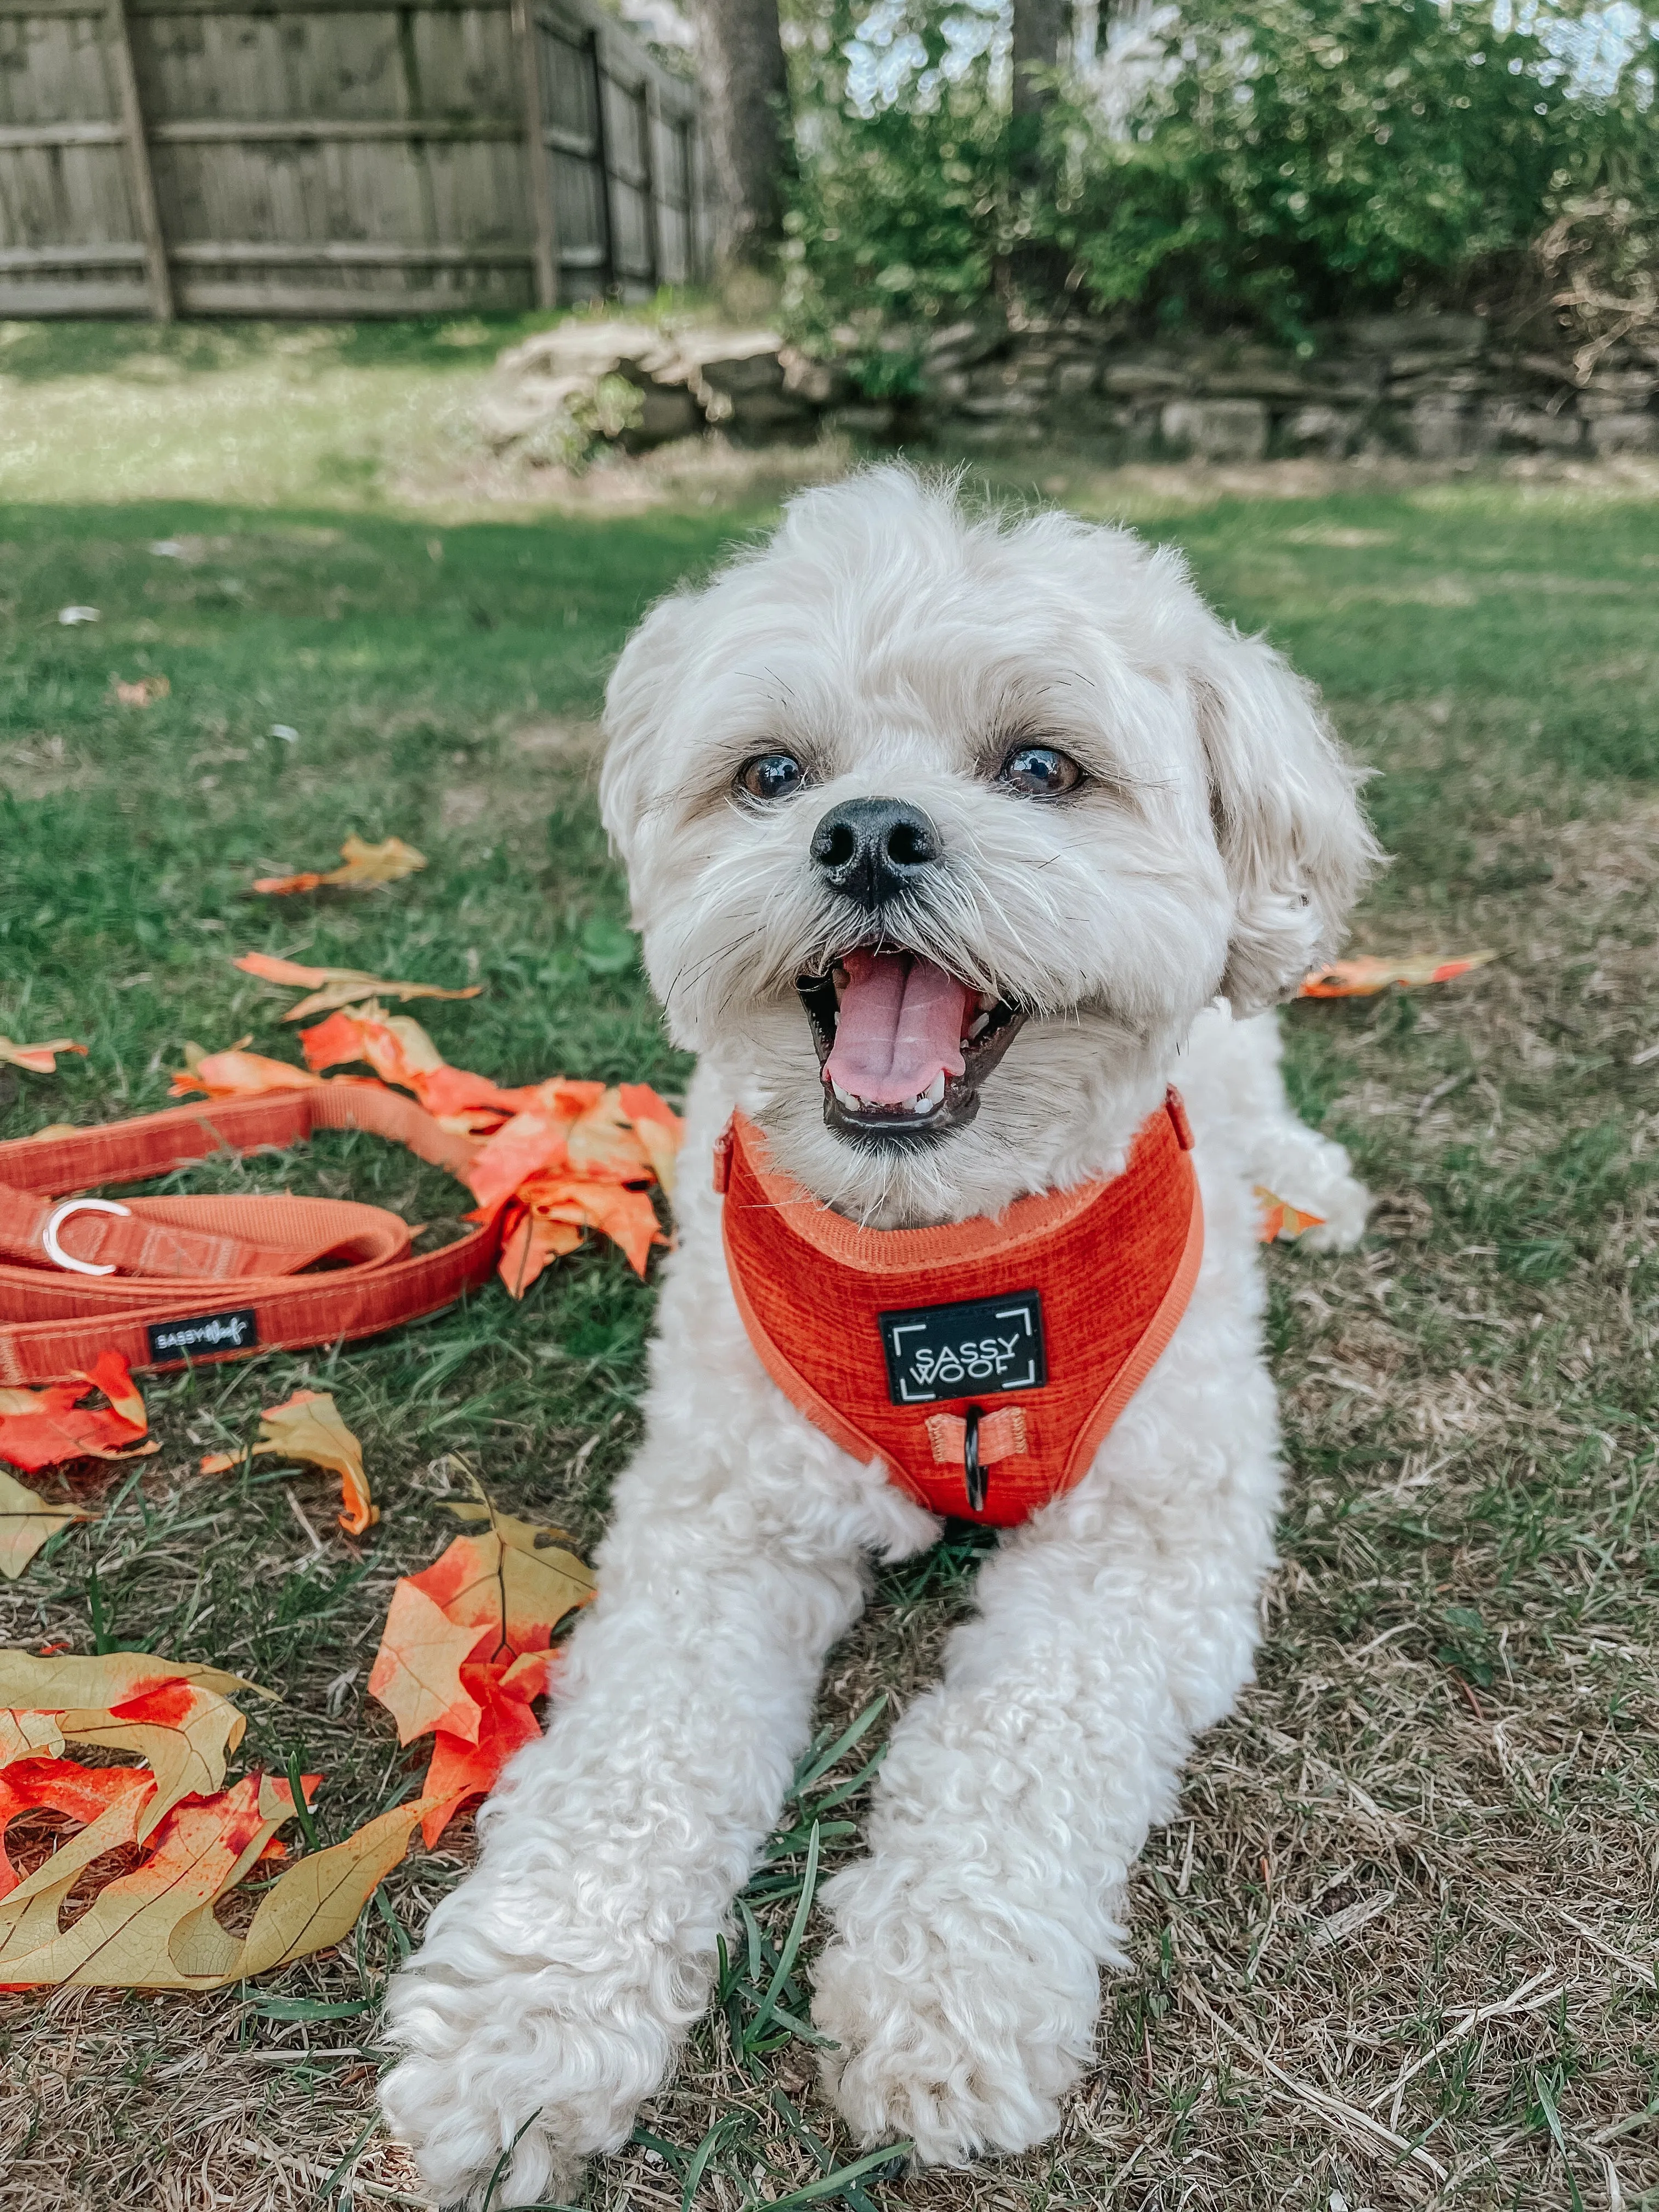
(55, 1221)
(975, 1473)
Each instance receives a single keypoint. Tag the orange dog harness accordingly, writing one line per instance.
(982, 1363)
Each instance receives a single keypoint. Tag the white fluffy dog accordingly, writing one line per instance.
(1126, 813)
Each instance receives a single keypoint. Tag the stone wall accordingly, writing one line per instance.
(1440, 387)
(1437, 387)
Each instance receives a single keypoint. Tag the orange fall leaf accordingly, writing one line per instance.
(1360, 977)
(44, 1428)
(307, 1426)
(38, 1059)
(465, 1650)
(1282, 1220)
(388, 862)
(328, 988)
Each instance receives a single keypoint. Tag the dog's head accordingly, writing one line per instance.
(941, 831)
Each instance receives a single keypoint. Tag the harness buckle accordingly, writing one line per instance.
(977, 1476)
(55, 1221)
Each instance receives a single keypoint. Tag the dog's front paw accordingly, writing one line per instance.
(1344, 1202)
(514, 2060)
(960, 2021)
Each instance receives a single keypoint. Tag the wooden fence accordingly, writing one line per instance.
(337, 158)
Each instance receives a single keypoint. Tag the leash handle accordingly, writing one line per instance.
(215, 1277)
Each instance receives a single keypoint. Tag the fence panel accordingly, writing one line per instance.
(337, 157)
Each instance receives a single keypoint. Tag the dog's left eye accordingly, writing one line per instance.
(1040, 772)
(771, 775)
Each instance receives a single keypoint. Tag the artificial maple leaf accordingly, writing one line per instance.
(388, 862)
(236, 1074)
(28, 1521)
(43, 1428)
(659, 1128)
(308, 1426)
(1280, 1220)
(38, 1059)
(1359, 978)
(337, 987)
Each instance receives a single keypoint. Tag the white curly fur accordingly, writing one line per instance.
(896, 646)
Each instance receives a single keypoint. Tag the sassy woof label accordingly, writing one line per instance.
(203, 1336)
(964, 1350)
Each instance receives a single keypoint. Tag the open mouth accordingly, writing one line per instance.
(903, 1046)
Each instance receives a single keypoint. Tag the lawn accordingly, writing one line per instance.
(1400, 1947)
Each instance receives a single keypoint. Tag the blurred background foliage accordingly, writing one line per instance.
(1224, 163)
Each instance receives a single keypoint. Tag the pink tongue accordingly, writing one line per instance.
(900, 1026)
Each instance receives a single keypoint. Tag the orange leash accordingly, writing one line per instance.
(168, 1282)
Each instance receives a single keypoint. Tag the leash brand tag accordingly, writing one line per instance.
(964, 1350)
(202, 1335)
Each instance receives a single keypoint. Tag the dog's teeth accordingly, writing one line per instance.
(843, 1098)
(921, 1104)
(933, 1096)
(983, 1022)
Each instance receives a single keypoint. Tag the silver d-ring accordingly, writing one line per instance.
(55, 1221)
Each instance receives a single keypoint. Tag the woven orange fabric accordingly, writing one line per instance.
(216, 1278)
(899, 1342)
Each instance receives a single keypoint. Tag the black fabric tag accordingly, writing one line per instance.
(966, 1351)
(202, 1335)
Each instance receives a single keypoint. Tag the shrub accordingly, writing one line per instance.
(1273, 161)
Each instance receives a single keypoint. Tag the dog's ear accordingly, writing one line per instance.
(1296, 847)
(638, 701)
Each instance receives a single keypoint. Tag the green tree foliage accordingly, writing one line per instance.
(1284, 161)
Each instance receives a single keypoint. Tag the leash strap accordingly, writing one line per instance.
(168, 1282)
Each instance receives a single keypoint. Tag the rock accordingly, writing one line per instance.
(1625, 433)
(1533, 429)
(873, 419)
(964, 345)
(1329, 431)
(816, 383)
(1446, 429)
(1146, 378)
(666, 411)
(1217, 429)
(1424, 333)
(1072, 378)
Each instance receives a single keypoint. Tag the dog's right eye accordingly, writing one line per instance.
(771, 775)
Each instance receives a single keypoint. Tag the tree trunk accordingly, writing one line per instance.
(746, 87)
(1041, 30)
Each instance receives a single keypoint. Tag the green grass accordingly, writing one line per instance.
(1449, 1759)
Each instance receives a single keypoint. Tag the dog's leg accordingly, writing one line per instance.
(1234, 1074)
(555, 1984)
(961, 1984)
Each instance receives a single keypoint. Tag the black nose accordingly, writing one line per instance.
(874, 849)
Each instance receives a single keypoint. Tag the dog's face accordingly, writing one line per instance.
(942, 832)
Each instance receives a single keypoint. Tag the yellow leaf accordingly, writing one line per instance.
(384, 863)
(417, 1668)
(38, 1059)
(1282, 1221)
(337, 987)
(1360, 977)
(307, 1426)
(26, 1523)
